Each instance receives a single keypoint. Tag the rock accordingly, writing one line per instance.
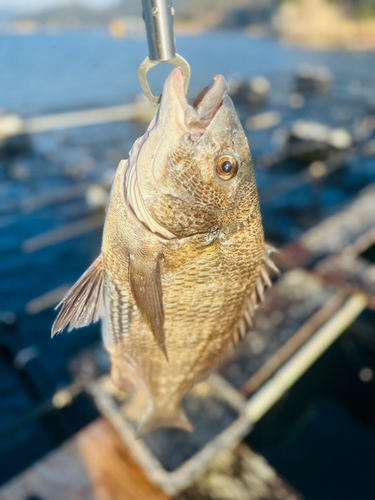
(10, 125)
(263, 121)
(364, 128)
(340, 138)
(96, 196)
(253, 92)
(313, 80)
(13, 142)
(317, 169)
(306, 130)
(368, 149)
(7, 318)
(14, 147)
(19, 171)
(310, 141)
(296, 101)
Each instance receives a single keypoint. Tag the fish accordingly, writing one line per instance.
(183, 262)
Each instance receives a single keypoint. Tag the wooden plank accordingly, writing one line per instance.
(13, 125)
(62, 233)
(294, 309)
(258, 404)
(94, 465)
(292, 345)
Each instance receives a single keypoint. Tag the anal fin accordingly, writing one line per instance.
(84, 303)
(145, 283)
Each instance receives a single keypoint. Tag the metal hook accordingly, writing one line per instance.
(158, 16)
(147, 64)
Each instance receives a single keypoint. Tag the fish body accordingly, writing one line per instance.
(182, 264)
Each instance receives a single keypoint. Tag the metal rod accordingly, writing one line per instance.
(158, 16)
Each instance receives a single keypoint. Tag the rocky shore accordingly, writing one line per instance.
(318, 24)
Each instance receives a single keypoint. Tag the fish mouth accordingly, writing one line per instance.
(198, 113)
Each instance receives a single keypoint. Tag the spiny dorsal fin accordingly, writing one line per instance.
(256, 297)
(268, 250)
(145, 283)
(84, 303)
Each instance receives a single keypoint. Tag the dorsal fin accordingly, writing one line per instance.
(145, 283)
(84, 303)
(256, 297)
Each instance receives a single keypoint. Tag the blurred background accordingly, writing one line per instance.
(302, 76)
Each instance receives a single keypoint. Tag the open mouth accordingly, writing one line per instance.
(199, 112)
(207, 103)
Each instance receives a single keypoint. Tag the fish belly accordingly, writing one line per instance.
(203, 296)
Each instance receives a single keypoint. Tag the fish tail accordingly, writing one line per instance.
(161, 418)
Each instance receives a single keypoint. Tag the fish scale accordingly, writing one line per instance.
(182, 266)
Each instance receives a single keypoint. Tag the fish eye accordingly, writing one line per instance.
(226, 167)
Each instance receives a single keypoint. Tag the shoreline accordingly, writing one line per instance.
(318, 25)
(292, 39)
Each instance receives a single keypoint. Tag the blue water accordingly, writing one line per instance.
(75, 70)
(48, 73)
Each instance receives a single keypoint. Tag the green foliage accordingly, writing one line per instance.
(359, 8)
(366, 8)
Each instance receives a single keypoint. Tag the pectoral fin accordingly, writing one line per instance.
(84, 303)
(145, 283)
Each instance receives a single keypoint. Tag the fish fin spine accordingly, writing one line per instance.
(84, 302)
(146, 287)
(157, 418)
(268, 250)
(256, 297)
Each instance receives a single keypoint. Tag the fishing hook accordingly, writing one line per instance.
(158, 17)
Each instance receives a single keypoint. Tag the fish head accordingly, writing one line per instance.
(194, 169)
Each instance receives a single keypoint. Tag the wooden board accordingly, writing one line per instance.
(94, 465)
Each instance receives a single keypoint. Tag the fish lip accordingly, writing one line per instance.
(199, 112)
